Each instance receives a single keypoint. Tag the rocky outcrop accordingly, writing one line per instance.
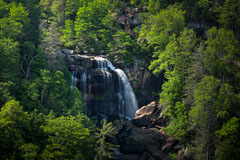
(80, 62)
(141, 140)
(129, 19)
(140, 143)
(144, 115)
(148, 141)
(145, 84)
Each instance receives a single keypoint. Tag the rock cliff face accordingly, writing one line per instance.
(145, 85)
(106, 90)
(142, 138)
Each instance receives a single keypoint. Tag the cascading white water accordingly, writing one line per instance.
(103, 63)
(74, 79)
(118, 95)
(84, 90)
(127, 103)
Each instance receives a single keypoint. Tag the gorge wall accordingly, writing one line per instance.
(146, 86)
(102, 84)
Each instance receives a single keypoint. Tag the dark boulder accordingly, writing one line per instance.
(126, 157)
(140, 139)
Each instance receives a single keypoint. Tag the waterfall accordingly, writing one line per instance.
(127, 100)
(107, 89)
(84, 90)
(74, 79)
(104, 64)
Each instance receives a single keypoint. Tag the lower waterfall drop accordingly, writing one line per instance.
(127, 102)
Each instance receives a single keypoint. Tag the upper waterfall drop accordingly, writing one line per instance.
(103, 63)
(106, 90)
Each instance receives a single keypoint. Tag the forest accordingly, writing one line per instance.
(194, 44)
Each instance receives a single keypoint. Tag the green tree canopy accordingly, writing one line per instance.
(13, 124)
(221, 54)
(67, 139)
(158, 29)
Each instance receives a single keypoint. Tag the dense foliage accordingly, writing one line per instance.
(40, 116)
(194, 43)
(201, 64)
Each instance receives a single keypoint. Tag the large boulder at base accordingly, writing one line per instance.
(141, 143)
(139, 140)
(144, 115)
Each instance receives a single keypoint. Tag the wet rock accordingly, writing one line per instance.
(143, 115)
(80, 62)
(118, 125)
(140, 139)
(126, 157)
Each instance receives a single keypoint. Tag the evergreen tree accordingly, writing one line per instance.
(221, 55)
(228, 14)
(9, 60)
(67, 139)
(203, 116)
(104, 148)
(13, 124)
